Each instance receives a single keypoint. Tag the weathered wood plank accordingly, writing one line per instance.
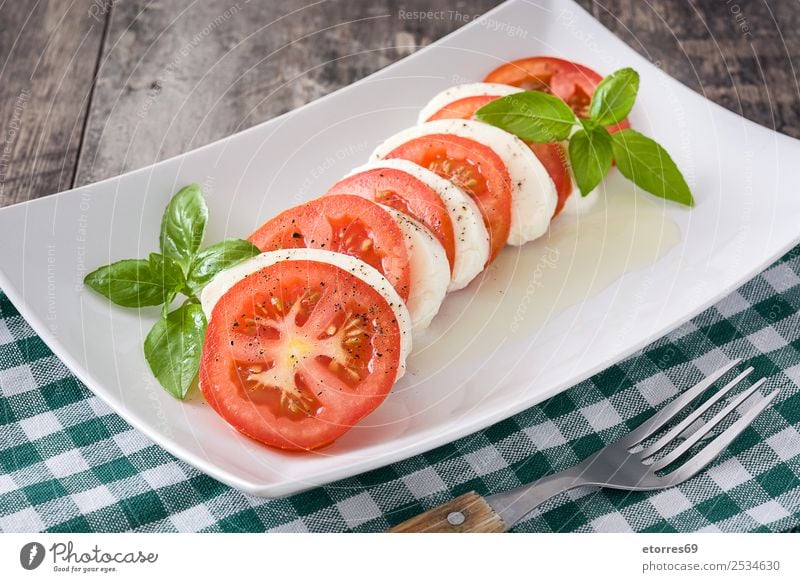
(48, 53)
(179, 74)
(175, 76)
(740, 54)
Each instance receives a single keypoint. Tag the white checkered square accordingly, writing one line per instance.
(601, 415)
(786, 443)
(711, 361)
(732, 304)
(16, 380)
(486, 460)
(729, 474)
(545, 435)
(35, 427)
(657, 389)
(579, 492)
(5, 334)
(358, 509)
(793, 374)
(6, 484)
(781, 278)
(612, 522)
(164, 475)
(424, 483)
(131, 441)
(99, 407)
(670, 502)
(767, 512)
(193, 519)
(67, 463)
(25, 520)
(93, 499)
(767, 340)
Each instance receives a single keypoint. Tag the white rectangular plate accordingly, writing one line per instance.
(606, 281)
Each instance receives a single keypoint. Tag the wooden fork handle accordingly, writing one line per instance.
(469, 513)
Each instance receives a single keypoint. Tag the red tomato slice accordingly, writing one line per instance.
(473, 167)
(299, 352)
(552, 155)
(345, 224)
(554, 159)
(407, 194)
(572, 82)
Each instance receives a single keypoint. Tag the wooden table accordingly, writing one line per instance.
(93, 88)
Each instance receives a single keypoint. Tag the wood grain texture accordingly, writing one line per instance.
(48, 52)
(740, 54)
(176, 74)
(474, 516)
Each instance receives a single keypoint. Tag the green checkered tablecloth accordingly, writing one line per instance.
(68, 463)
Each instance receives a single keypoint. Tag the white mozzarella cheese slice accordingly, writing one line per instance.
(430, 270)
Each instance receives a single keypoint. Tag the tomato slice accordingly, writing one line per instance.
(554, 159)
(473, 167)
(572, 82)
(345, 224)
(552, 155)
(405, 193)
(298, 352)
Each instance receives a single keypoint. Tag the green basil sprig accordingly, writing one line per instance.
(174, 345)
(541, 117)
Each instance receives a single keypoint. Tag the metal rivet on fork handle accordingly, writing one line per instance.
(455, 518)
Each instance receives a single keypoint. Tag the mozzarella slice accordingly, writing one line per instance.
(453, 94)
(533, 191)
(471, 236)
(430, 270)
(226, 279)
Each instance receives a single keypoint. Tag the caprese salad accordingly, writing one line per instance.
(306, 326)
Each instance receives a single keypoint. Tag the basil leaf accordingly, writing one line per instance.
(129, 283)
(171, 295)
(171, 276)
(613, 98)
(590, 157)
(167, 271)
(217, 258)
(532, 115)
(649, 166)
(183, 225)
(174, 346)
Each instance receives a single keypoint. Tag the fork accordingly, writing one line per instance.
(624, 464)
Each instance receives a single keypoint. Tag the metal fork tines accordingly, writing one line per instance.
(631, 463)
